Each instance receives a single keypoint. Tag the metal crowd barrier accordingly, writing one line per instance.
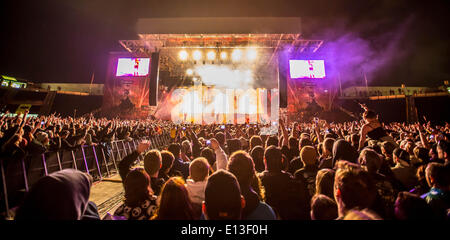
(98, 161)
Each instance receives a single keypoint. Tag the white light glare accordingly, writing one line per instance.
(252, 54)
(197, 55)
(183, 55)
(236, 55)
(211, 55)
(223, 55)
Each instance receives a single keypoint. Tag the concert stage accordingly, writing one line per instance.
(224, 70)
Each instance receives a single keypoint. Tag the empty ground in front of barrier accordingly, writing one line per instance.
(107, 195)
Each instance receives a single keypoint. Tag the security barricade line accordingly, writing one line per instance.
(83, 158)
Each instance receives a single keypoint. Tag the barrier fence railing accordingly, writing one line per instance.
(99, 161)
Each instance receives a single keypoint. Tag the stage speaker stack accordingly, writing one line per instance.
(282, 81)
(154, 78)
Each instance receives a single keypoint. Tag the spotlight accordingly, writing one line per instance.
(183, 55)
(197, 55)
(223, 55)
(211, 55)
(189, 72)
(252, 54)
(236, 55)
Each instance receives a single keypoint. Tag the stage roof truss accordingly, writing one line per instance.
(170, 44)
(156, 42)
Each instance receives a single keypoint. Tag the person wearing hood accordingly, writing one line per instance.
(343, 150)
(63, 195)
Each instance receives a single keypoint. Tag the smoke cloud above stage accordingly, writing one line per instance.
(225, 76)
(351, 53)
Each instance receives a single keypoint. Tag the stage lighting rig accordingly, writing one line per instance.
(197, 55)
(236, 55)
(211, 55)
(183, 55)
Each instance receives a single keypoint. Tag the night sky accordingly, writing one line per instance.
(66, 41)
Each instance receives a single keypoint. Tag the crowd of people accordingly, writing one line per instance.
(360, 170)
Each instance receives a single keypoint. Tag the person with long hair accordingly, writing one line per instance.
(243, 168)
(140, 203)
(174, 203)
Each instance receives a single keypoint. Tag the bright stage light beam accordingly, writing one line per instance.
(223, 55)
(236, 55)
(252, 54)
(189, 72)
(183, 55)
(197, 55)
(211, 55)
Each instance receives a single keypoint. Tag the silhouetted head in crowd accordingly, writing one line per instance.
(223, 199)
(309, 156)
(257, 154)
(186, 148)
(244, 143)
(443, 150)
(422, 154)
(137, 187)
(233, 145)
(409, 206)
(62, 195)
(420, 174)
(241, 165)
(208, 153)
(325, 182)
(323, 208)
(273, 159)
(330, 135)
(220, 137)
(436, 175)
(343, 150)
(152, 162)
(293, 143)
(175, 149)
(272, 141)
(304, 142)
(371, 160)
(199, 169)
(353, 188)
(433, 154)
(320, 148)
(167, 159)
(401, 157)
(175, 203)
(327, 147)
(354, 139)
(42, 138)
(369, 116)
(256, 141)
(250, 131)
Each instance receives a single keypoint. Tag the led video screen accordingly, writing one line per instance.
(132, 67)
(307, 68)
